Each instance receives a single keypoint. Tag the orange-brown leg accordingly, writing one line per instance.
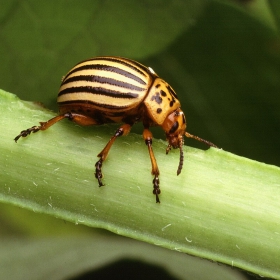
(79, 119)
(123, 130)
(148, 137)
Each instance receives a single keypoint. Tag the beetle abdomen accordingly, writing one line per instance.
(109, 84)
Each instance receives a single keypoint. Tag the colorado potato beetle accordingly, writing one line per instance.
(112, 89)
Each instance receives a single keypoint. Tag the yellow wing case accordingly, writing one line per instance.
(112, 83)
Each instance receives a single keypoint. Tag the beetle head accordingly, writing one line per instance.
(175, 127)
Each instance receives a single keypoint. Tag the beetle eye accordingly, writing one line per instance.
(174, 127)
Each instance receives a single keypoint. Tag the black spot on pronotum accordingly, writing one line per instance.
(158, 85)
(172, 92)
(156, 98)
(174, 127)
(159, 110)
(173, 95)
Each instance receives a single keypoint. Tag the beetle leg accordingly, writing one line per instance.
(77, 118)
(147, 135)
(168, 148)
(98, 173)
(123, 130)
(42, 126)
(81, 119)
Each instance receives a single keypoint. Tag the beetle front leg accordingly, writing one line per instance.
(148, 137)
(123, 130)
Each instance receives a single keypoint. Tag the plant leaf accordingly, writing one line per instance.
(222, 207)
(71, 258)
(41, 42)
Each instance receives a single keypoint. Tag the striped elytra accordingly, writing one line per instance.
(105, 82)
(114, 89)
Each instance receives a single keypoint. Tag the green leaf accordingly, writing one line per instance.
(275, 8)
(262, 10)
(69, 258)
(39, 43)
(222, 207)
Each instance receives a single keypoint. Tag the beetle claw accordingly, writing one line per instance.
(156, 190)
(168, 148)
(27, 131)
(98, 172)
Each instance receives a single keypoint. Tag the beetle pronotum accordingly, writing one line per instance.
(119, 90)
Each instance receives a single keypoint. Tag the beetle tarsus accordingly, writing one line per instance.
(27, 131)
(98, 172)
(168, 149)
(156, 189)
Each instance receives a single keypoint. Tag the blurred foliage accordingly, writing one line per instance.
(221, 57)
(226, 72)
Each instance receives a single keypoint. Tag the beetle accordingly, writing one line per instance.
(111, 89)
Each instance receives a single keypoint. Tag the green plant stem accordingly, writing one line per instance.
(221, 207)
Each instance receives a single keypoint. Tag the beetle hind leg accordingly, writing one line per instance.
(42, 126)
(77, 118)
(27, 131)
(123, 130)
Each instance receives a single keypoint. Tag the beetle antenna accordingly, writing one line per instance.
(200, 140)
(181, 161)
